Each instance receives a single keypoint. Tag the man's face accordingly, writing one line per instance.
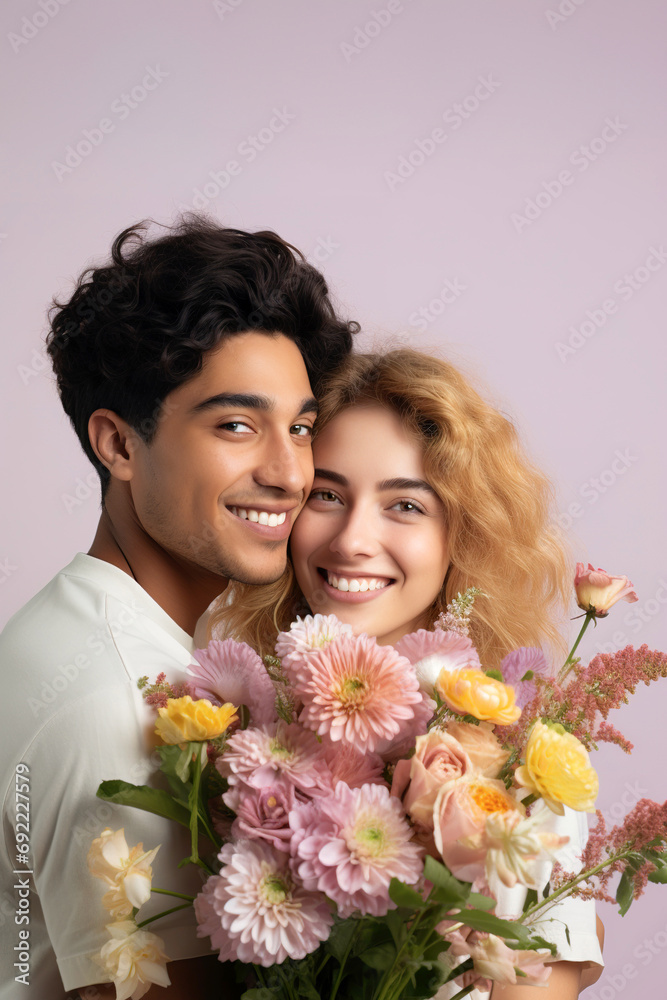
(230, 465)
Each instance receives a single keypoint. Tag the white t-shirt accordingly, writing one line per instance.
(577, 914)
(71, 711)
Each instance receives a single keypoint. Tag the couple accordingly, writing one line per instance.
(192, 367)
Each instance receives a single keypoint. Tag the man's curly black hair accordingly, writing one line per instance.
(138, 327)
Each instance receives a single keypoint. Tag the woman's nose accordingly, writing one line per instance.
(357, 535)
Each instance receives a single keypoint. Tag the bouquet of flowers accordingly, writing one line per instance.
(355, 808)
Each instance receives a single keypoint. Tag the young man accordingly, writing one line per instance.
(187, 366)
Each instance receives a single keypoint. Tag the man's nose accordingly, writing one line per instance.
(287, 467)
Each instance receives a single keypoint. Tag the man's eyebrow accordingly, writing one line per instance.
(400, 483)
(249, 401)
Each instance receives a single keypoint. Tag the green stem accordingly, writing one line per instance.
(341, 968)
(194, 812)
(168, 892)
(567, 666)
(569, 886)
(385, 984)
(464, 993)
(149, 920)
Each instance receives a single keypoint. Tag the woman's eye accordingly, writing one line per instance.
(301, 430)
(325, 495)
(407, 507)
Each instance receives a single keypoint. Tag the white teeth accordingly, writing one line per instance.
(354, 585)
(260, 516)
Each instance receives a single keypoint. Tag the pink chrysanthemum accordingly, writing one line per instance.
(432, 651)
(229, 671)
(352, 844)
(350, 765)
(279, 749)
(264, 915)
(357, 692)
(307, 635)
(517, 664)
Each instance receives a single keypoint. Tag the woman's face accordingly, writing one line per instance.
(370, 546)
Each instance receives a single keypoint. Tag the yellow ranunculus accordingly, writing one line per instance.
(558, 769)
(470, 692)
(184, 720)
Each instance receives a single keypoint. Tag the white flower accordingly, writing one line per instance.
(515, 847)
(126, 870)
(133, 959)
(307, 635)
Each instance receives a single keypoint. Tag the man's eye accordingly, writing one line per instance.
(236, 427)
(301, 430)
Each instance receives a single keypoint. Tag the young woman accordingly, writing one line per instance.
(422, 490)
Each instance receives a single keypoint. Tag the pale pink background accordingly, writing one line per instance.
(556, 78)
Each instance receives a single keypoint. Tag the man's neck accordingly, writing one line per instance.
(183, 591)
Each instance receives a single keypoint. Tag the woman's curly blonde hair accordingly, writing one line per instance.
(497, 507)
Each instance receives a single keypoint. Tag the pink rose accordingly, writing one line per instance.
(597, 589)
(460, 812)
(439, 759)
(262, 808)
(481, 745)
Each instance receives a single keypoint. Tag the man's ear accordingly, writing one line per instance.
(114, 442)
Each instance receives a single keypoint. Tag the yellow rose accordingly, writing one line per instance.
(184, 720)
(470, 692)
(558, 769)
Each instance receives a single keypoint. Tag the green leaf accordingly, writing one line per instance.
(449, 888)
(340, 939)
(531, 898)
(496, 675)
(528, 676)
(381, 957)
(258, 994)
(659, 876)
(481, 902)
(153, 800)
(624, 893)
(404, 895)
(511, 929)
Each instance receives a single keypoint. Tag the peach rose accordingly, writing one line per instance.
(600, 591)
(481, 745)
(438, 759)
(460, 812)
(469, 691)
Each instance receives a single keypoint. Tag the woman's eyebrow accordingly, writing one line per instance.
(405, 484)
(400, 483)
(333, 477)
